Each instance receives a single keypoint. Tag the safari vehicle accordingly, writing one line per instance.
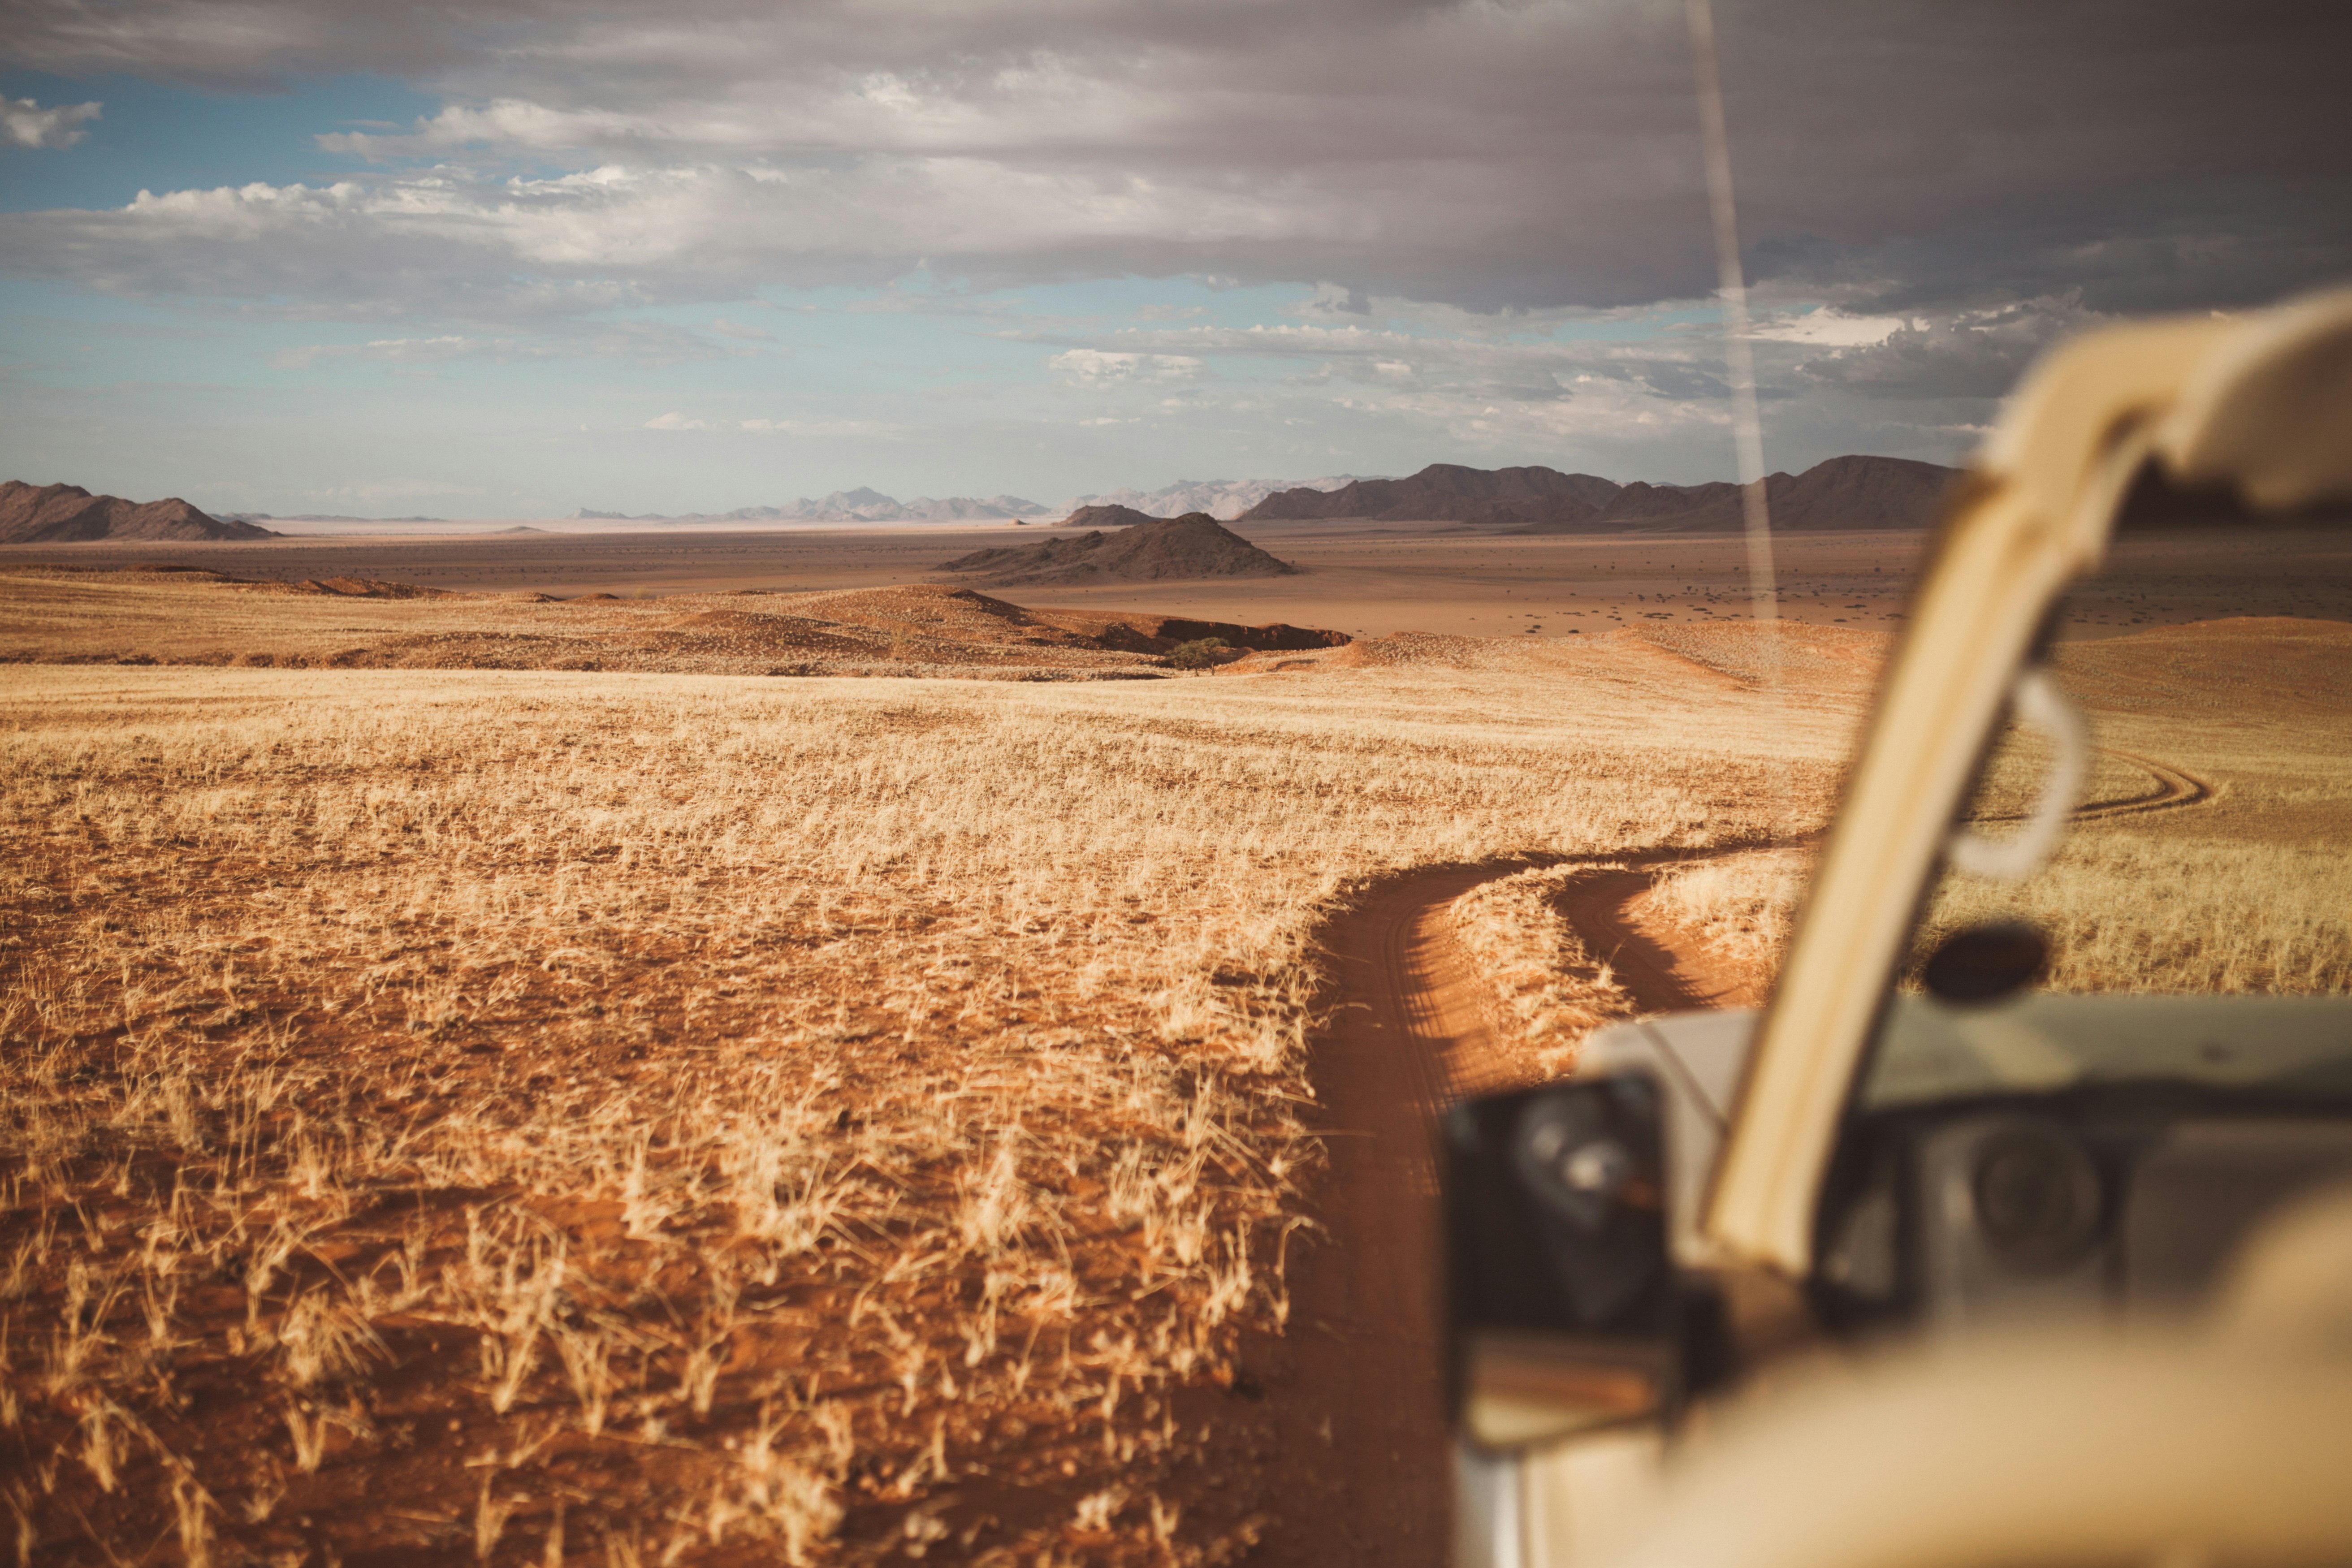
(1941, 1259)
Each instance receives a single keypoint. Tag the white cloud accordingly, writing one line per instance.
(830, 429)
(1489, 154)
(397, 349)
(1830, 327)
(823, 428)
(727, 329)
(24, 123)
(1096, 367)
(1966, 354)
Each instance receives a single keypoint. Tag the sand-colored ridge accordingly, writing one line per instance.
(193, 616)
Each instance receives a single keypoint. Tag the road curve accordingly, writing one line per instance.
(2169, 786)
(1361, 1472)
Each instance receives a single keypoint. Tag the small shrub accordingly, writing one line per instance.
(1205, 653)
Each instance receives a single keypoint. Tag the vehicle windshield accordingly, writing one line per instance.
(2213, 667)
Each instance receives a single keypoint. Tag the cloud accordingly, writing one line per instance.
(1485, 155)
(24, 123)
(1827, 327)
(727, 329)
(1099, 368)
(834, 428)
(1673, 367)
(1978, 353)
(397, 349)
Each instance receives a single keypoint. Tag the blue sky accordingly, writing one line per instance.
(707, 257)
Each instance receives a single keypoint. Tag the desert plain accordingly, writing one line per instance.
(733, 1047)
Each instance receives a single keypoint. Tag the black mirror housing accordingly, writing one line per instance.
(1565, 1311)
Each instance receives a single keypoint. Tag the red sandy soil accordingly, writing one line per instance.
(1363, 1460)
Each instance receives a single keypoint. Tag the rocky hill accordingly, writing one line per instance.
(1191, 546)
(1448, 492)
(57, 514)
(1843, 493)
(1106, 515)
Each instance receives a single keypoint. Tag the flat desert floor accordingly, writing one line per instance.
(1365, 579)
(505, 1077)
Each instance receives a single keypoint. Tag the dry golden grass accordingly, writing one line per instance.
(2128, 906)
(1741, 905)
(153, 613)
(1548, 989)
(663, 1119)
(2248, 890)
(477, 1115)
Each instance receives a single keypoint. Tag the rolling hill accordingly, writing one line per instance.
(1192, 546)
(58, 514)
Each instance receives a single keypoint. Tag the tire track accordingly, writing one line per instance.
(1361, 1472)
(2172, 787)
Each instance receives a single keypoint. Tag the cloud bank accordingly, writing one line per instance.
(1488, 215)
(1490, 156)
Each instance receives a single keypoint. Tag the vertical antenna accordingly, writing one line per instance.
(1739, 362)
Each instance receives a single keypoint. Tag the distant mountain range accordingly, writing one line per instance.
(317, 517)
(860, 505)
(1851, 492)
(1447, 492)
(1223, 500)
(55, 514)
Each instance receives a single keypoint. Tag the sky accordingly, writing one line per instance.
(514, 258)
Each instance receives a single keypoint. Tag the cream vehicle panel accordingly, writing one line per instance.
(1679, 1420)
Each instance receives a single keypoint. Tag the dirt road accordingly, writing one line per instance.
(1361, 1469)
(1360, 1472)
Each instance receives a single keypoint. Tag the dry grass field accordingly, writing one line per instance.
(672, 1119)
(485, 1079)
(2243, 886)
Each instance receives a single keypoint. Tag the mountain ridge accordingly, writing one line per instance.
(61, 513)
(1848, 493)
(1223, 500)
(1448, 492)
(1852, 492)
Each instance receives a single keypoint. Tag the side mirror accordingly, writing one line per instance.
(1985, 962)
(1565, 1311)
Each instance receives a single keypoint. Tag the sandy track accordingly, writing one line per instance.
(1361, 1473)
(2169, 786)
(1662, 967)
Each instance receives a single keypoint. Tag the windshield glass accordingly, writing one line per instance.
(2206, 851)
